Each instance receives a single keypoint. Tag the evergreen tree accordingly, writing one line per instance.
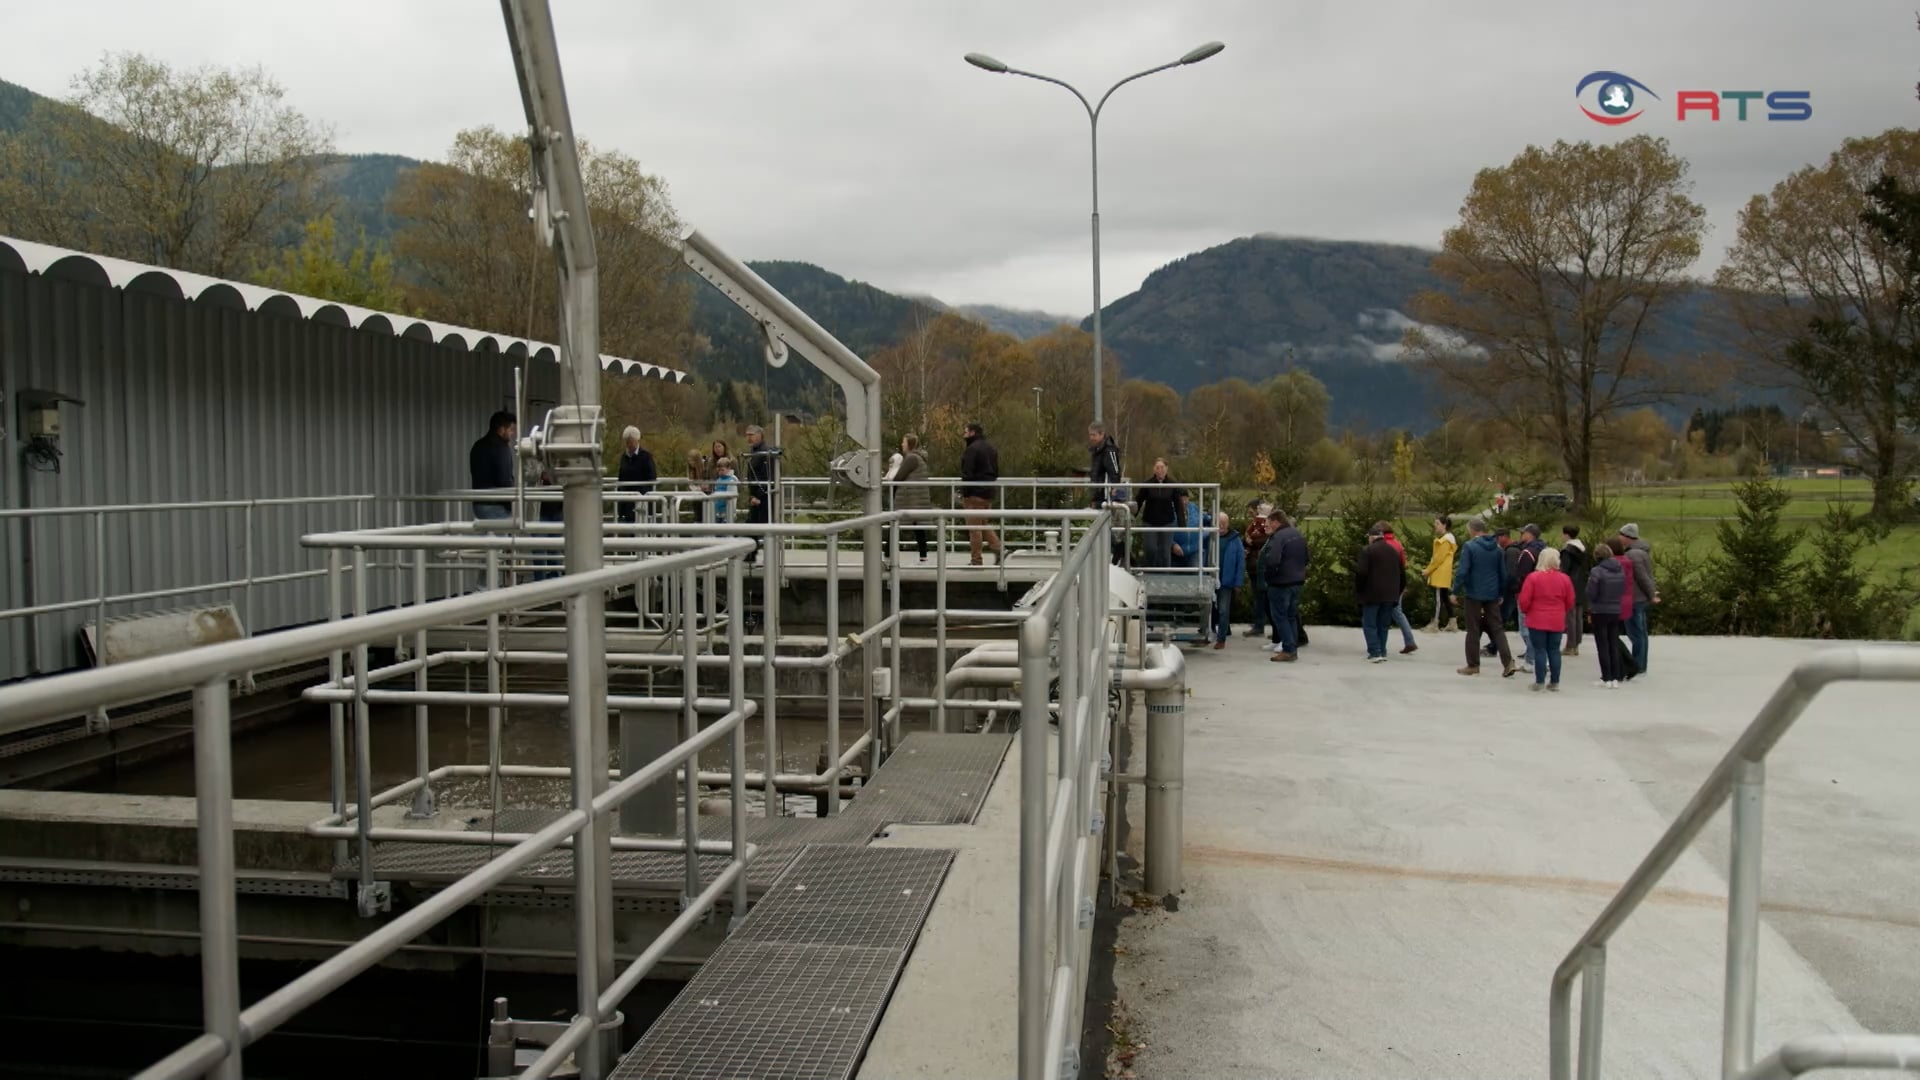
(1753, 574)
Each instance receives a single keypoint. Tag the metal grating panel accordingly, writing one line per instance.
(773, 1011)
(867, 897)
(797, 990)
(935, 779)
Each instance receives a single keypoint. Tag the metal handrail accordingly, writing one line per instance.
(1741, 772)
(206, 671)
(1058, 834)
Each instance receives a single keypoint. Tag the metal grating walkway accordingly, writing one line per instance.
(934, 779)
(797, 990)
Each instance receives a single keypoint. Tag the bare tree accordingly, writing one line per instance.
(206, 169)
(1559, 265)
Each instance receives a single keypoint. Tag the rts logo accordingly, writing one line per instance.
(1616, 100)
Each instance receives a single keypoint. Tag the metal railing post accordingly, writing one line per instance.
(1032, 984)
(940, 631)
(769, 679)
(494, 685)
(832, 770)
(100, 587)
(586, 868)
(422, 735)
(736, 702)
(219, 933)
(336, 712)
(690, 727)
(363, 743)
(1743, 920)
(1593, 1001)
(893, 643)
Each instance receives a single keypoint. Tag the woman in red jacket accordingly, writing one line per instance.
(1546, 597)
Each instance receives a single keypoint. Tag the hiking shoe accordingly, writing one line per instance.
(1538, 687)
(1553, 687)
(1510, 672)
(1411, 648)
(1219, 644)
(1489, 651)
(1259, 631)
(1283, 658)
(1575, 651)
(1466, 671)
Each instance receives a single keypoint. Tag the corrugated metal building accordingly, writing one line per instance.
(197, 389)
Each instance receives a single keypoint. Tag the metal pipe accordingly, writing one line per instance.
(494, 686)
(771, 805)
(833, 678)
(422, 738)
(1839, 1051)
(734, 875)
(15, 925)
(896, 673)
(363, 743)
(213, 801)
(689, 731)
(581, 721)
(737, 697)
(940, 694)
(1032, 984)
(1743, 921)
(518, 698)
(195, 1059)
(1593, 995)
(336, 712)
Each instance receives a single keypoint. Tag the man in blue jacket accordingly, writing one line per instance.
(1233, 574)
(1284, 564)
(1480, 583)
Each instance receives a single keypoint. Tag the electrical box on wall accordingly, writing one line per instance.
(40, 427)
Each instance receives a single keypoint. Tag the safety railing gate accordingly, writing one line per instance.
(1741, 776)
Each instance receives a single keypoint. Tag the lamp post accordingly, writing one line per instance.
(989, 64)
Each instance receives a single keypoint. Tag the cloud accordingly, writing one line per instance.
(849, 132)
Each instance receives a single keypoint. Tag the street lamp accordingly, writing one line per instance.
(1036, 398)
(989, 64)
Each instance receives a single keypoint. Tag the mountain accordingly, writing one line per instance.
(1254, 306)
(16, 102)
(1020, 322)
(359, 185)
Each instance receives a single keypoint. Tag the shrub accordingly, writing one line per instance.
(1836, 597)
(1328, 598)
(1752, 574)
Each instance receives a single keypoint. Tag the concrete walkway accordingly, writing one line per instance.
(1386, 862)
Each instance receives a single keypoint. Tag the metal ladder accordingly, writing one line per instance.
(1741, 776)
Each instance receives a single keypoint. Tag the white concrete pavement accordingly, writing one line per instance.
(1385, 862)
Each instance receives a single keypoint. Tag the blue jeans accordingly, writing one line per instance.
(491, 511)
(1259, 606)
(1223, 614)
(1544, 646)
(1637, 633)
(1376, 621)
(1283, 607)
(1400, 620)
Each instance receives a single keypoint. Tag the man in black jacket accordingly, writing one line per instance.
(762, 477)
(1283, 562)
(1575, 564)
(490, 465)
(1379, 577)
(979, 472)
(1103, 468)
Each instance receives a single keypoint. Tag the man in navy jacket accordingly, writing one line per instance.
(1480, 583)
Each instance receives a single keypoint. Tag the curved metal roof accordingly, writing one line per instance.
(27, 257)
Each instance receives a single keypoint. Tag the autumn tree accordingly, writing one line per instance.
(1146, 423)
(471, 256)
(1227, 423)
(1824, 277)
(203, 169)
(1560, 264)
(320, 267)
(1298, 404)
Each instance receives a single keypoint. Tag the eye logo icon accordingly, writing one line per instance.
(1614, 97)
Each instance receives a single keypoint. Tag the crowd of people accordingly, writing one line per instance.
(1491, 584)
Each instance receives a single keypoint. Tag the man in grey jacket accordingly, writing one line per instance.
(1646, 591)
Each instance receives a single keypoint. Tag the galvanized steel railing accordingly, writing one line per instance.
(207, 672)
(1741, 776)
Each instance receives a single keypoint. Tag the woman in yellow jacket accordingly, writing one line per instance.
(1440, 574)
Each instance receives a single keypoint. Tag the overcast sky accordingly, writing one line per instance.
(849, 133)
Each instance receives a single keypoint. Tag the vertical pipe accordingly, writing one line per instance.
(833, 675)
(494, 686)
(689, 727)
(219, 938)
(581, 721)
(1094, 142)
(422, 799)
(1743, 920)
(1032, 1001)
(336, 712)
(940, 631)
(872, 587)
(99, 588)
(1166, 768)
(246, 563)
(736, 701)
(1593, 995)
(893, 644)
(1560, 1031)
(769, 680)
(362, 738)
